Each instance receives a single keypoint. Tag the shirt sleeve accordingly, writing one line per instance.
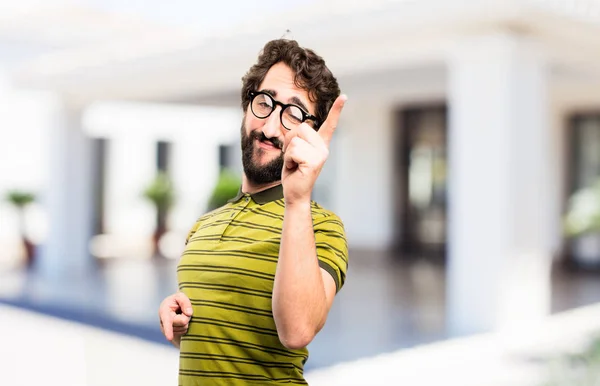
(332, 248)
(192, 231)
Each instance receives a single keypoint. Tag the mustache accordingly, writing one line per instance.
(263, 138)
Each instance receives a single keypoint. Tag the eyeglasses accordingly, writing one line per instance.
(291, 116)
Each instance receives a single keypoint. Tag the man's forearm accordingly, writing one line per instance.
(299, 299)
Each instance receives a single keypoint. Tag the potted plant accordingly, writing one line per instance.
(20, 199)
(228, 185)
(582, 225)
(161, 194)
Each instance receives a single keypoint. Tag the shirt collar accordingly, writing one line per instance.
(264, 196)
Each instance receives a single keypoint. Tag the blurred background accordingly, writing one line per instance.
(465, 168)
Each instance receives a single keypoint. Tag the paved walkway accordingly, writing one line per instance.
(385, 307)
(38, 349)
(524, 358)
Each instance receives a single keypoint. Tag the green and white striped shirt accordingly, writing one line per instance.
(227, 271)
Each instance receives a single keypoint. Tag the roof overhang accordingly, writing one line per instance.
(354, 37)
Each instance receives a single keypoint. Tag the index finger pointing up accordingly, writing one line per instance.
(330, 124)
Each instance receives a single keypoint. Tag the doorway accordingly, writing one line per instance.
(421, 165)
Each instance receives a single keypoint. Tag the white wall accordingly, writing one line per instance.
(30, 123)
(24, 121)
(364, 184)
(129, 218)
(133, 130)
(364, 151)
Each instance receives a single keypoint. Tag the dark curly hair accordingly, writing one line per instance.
(311, 74)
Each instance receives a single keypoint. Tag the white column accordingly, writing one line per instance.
(130, 219)
(499, 238)
(10, 246)
(67, 196)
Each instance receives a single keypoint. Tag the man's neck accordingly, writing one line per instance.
(249, 187)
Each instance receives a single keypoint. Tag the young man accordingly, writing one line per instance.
(259, 274)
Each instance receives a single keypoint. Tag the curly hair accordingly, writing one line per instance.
(311, 74)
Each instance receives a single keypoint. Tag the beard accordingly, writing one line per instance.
(255, 172)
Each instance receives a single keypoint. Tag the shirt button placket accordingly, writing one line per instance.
(234, 215)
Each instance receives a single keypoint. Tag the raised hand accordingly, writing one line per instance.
(305, 152)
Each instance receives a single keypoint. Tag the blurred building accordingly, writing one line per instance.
(468, 126)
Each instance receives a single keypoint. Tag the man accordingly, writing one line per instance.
(259, 274)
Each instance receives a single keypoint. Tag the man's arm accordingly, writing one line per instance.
(303, 292)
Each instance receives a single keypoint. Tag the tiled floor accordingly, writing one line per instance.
(384, 306)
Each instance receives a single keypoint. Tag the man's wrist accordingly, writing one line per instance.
(298, 205)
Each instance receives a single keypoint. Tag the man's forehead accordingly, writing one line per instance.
(279, 82)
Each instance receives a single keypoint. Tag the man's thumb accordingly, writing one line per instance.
(184, 304)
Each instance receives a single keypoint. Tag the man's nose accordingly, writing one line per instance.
(272, 127)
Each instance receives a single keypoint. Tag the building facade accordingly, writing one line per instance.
(468, 127)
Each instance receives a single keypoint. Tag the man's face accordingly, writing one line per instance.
(262, 139)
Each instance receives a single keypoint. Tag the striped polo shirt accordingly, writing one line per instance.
(227, 271)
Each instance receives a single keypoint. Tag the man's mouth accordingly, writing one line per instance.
(266, 144)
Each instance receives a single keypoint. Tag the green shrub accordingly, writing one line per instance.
(20, 199)
(227, 187)
(583, 215)
(160, 192)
